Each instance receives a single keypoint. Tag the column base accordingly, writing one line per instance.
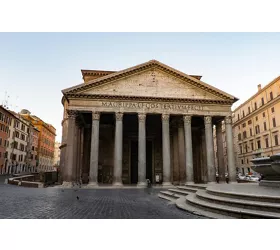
(189, 183)
(167, 183)
(67, 184)
(117, 184)
(212, 182)
(142, 184)
(92, 184)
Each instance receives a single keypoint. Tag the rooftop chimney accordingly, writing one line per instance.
(259, 87)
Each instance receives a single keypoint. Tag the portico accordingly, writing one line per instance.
(146, 122)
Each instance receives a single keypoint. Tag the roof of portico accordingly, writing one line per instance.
(76, 91)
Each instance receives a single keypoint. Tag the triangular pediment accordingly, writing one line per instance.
(151, 79)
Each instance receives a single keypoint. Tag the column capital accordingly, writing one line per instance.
(187, 119)
(165, 117)
(119, 116)
(208, 120)
(228, 120)
(72, 114)
(141, 117)
(95, 115)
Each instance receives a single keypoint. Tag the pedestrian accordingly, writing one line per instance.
(217, 177)
(227, 179)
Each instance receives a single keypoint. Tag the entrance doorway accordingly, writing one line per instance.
(134, 161)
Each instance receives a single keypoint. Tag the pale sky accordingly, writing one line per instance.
(35, 67)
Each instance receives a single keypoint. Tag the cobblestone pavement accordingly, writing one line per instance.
(55, 203)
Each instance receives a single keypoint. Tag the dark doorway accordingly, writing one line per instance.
(134, 162)
(149, 160)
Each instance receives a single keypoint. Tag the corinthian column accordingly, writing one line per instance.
(118, 150)
(230, 153)
(220, 151)
(93, 171)
(189, 151)
(141, 150)
(166, 150)
(69, 162)
(211, 171)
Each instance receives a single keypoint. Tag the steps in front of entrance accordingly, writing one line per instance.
(224, 202)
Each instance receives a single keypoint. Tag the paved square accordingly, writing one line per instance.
(55, 203)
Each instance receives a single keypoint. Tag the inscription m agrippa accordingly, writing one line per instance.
(147, 105)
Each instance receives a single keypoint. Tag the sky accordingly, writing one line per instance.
(35, 67)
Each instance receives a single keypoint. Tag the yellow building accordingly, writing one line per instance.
(256, 125)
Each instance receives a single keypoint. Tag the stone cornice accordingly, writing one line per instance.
(148, 65)
(257, 111)
(148, 98)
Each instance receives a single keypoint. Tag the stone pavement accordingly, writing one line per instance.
(54, 203)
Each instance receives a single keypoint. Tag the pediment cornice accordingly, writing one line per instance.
(145, 66)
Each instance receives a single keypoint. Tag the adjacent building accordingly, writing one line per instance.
(256, 126)
(149, 121)
(46, 142)
(5, 121)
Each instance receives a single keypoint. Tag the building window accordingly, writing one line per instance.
(238, 117)
(262, 101)
(274, 122)
(243, 113)
(276, 140)
(239, 137)
(259, 144)
(271, 95)
(257, 128)
(244, 125)
(256, 106)
(264, 126)
(256, 118)
(249, 111)
(266, 142)
(252, 146)
(251, 134)
(242, 162)
(240, 148)
(263, 114)
(272, 110)
(245, 147)
(249, 122)
(244, 135)
(248, 162)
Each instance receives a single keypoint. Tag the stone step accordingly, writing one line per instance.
(181, 204)
(197, 186)
(230, 210)
(243, 196)
(240, 203)
(167, 197)
(171, 194)
(179, 191)
(187, 189)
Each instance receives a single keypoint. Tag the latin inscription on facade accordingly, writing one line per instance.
(147, 105)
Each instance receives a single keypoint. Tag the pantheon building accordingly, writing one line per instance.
(149, 121)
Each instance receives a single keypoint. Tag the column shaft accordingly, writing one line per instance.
(118, 149)
(176, 168)
(69, 161)
(189, 151)
(230, 152)
(93, 172)
(166, 150)
(142, 150)
(220, 151)
(182, 152)
(211, 171)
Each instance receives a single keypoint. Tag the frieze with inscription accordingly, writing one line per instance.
(147, 105)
